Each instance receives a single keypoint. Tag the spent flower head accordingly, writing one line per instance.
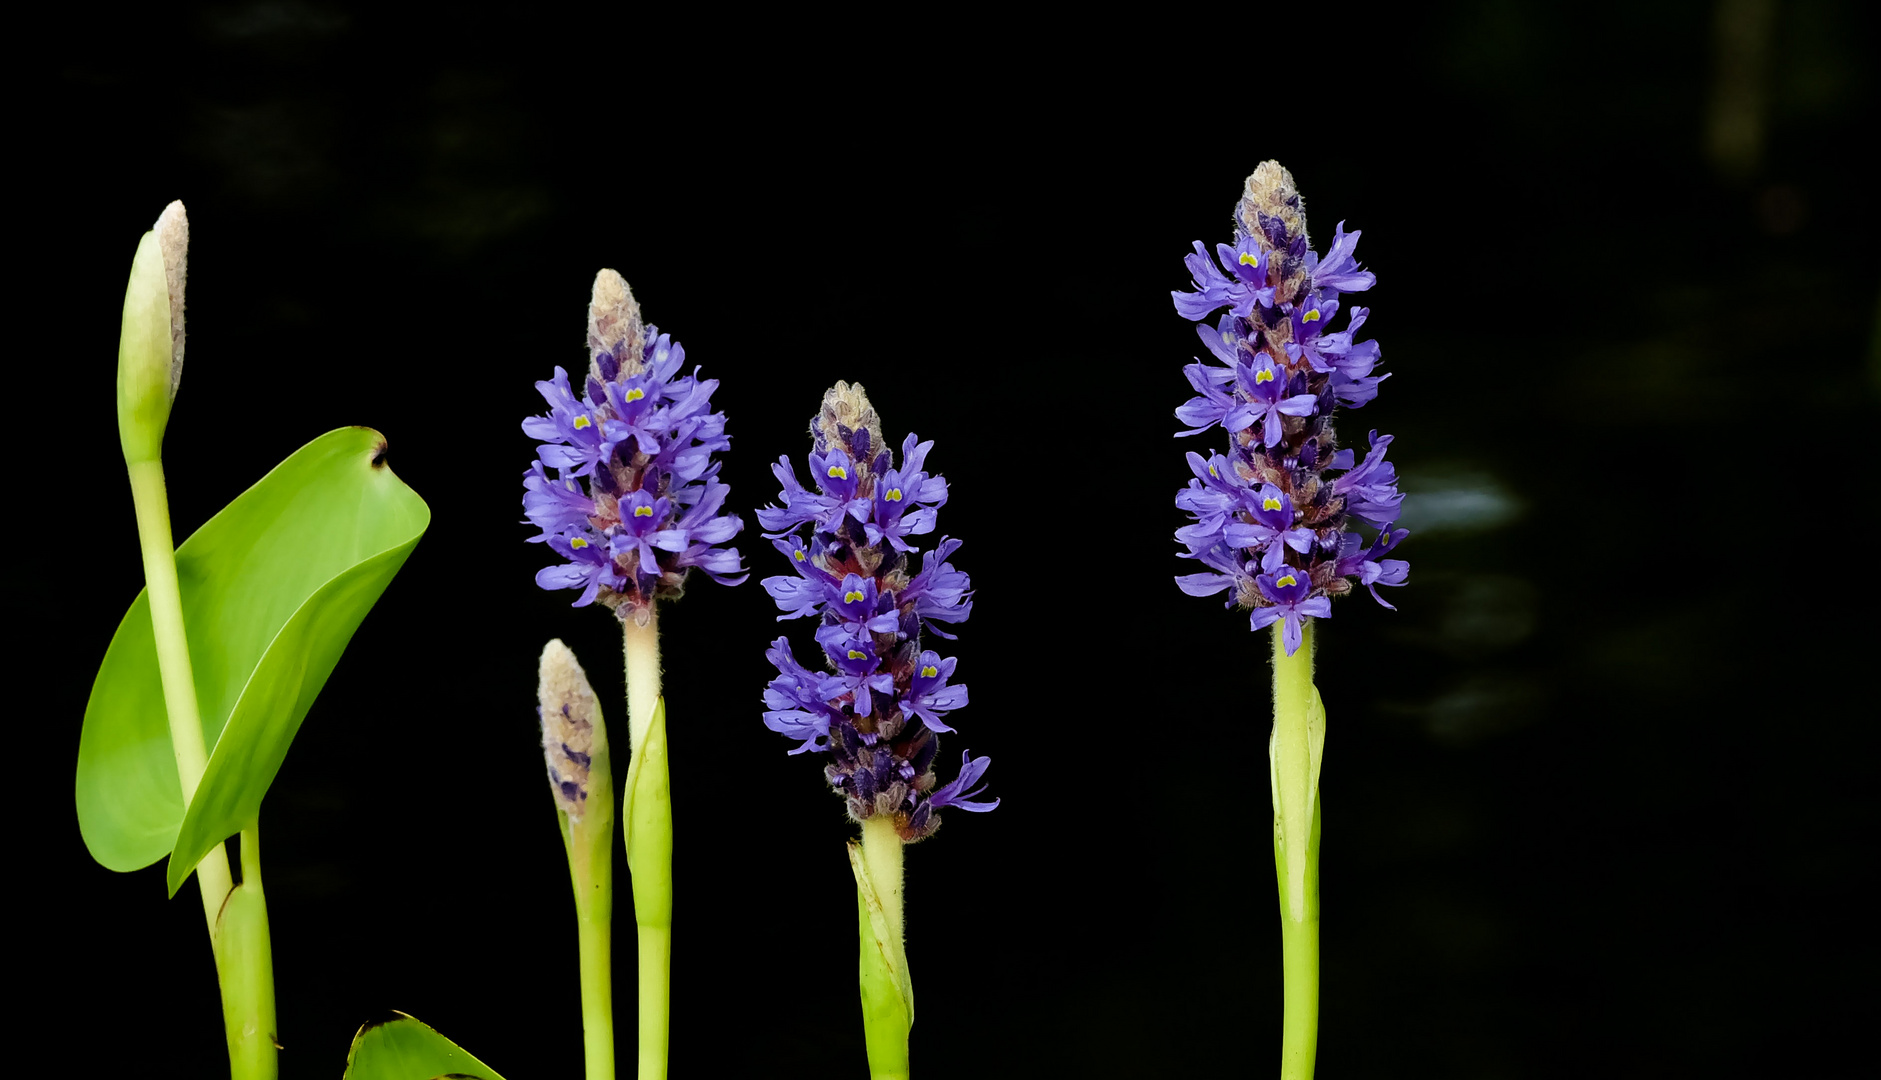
(879, 701)
(1272, 514)
(625, 488)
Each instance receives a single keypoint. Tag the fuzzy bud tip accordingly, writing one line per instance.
(614, 325)
(845, 410)
(172, 229)
(573, 734)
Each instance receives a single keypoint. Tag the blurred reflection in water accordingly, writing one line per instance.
(1454, 499)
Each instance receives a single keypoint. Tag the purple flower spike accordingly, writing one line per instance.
(882, 706)
(1271, 515)
(635, 504)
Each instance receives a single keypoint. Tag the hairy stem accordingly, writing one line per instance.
(649, 838)
(887, 999)
(1294, 754)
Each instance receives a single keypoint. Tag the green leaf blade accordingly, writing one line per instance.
(404, 1048)
(273, 588)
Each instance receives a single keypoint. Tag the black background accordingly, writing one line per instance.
(1594, 795)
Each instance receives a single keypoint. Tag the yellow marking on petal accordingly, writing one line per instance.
(799, 554)
(577, 543)
(894, 495)
(1311, 316)
(1270, 503)
(929, 671)
(1250, 259)
(837, 472)
(1263, 375)
(582, 422)
(1288, 580)
(635, 394)
(643, 511)
(853, 596)
(858, 654)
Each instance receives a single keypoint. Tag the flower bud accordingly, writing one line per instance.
(574, 738)
(150, 341)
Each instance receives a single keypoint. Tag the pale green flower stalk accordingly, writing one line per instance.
(150, 368)
(1294, 750)
(648, 809)
(574, 743)
(887, 989)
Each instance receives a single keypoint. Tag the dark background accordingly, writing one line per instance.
(1596, 794)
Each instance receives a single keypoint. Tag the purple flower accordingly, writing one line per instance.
(641, 438)
(880, 710)
(1286, 591)
(1267, 390)
(1272, 530)
(1271, 516)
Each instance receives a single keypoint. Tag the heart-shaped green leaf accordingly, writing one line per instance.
(401, 1048)
(273, 587)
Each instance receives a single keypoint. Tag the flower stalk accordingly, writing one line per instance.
(1294, 750)
(649, 813)
(150, 364)
(887, 989)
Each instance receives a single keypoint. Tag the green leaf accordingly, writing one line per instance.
(401, 1048)
(273, 587)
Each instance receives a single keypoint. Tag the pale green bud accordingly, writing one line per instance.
(150, 342)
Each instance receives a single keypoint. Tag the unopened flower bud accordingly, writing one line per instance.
(150, 341)
(574, 737)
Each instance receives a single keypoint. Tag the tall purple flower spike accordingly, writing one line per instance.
(880, 700)
(634, 504)
(1271, 516)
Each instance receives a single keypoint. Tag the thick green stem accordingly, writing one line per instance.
(1294, 753)
(649, 837)
(245, 968)
(887, 991)
(239, 966)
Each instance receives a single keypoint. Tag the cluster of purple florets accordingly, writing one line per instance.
(881, 703)
(1271, 518)
(625, 488)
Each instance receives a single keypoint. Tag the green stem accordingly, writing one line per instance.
(594, 912)
(1294, 753)
(887, 997)
(187, 742)
(245, 969)
(649, 837)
